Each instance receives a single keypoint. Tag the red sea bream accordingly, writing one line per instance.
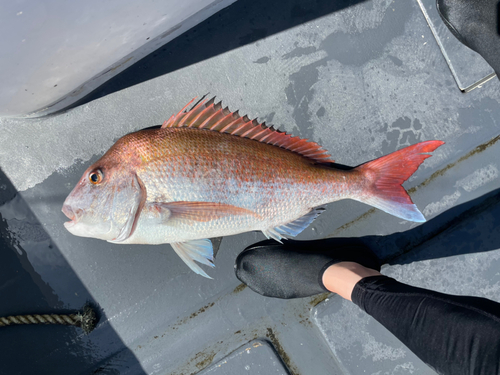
(209, 172)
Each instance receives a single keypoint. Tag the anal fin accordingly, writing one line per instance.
(271, 233)
(195, 250)
(293, 228)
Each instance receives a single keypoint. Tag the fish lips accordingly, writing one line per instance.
(78, 227)
(72, 214)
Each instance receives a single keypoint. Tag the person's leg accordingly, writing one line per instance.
(342, 277)
(452, 334)
(295, 269)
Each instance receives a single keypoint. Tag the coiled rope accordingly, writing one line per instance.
(85, 319)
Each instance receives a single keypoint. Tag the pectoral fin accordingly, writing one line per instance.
(195, 250)
(200, 211)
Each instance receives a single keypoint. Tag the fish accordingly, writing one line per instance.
(208, 172)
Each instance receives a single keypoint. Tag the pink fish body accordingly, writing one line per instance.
(209, 172)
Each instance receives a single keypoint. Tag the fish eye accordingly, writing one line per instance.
(96, 176)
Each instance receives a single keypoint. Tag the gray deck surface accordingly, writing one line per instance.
(363, 81)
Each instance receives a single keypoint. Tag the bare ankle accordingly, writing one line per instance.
(341, 277)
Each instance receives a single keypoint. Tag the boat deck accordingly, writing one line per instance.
(363, 79)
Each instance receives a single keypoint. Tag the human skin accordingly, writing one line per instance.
(340, 278)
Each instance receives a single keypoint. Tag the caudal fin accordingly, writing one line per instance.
(386, 175)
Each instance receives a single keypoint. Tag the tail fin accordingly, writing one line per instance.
(388, 173)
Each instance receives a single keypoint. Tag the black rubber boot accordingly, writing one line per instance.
(295, 269)
(476, 24)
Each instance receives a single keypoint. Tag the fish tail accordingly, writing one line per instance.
(385, 176)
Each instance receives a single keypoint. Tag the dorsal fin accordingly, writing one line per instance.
(212, 116)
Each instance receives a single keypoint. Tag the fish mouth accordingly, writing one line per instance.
(71, 214)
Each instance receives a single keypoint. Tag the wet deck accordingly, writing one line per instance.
(362, 81)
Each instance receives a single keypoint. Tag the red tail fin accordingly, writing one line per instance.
(389, 172)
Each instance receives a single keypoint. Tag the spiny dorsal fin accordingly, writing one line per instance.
(212, 116)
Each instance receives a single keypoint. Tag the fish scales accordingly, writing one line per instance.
(200, 165)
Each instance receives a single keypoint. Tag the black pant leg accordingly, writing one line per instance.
(453, 334)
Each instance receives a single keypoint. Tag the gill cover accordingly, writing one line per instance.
(138, 200)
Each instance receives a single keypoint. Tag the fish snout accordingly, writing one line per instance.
(71, 213)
